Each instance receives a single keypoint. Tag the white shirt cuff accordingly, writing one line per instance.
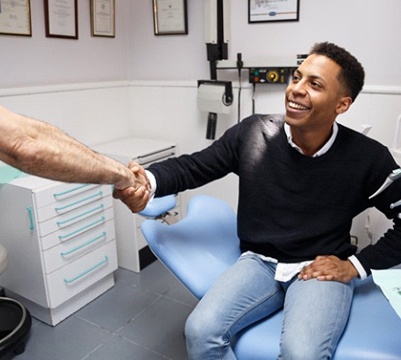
(152, 181)
(358, 267)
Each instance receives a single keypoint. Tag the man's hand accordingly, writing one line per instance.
(329, 268)
(140, 175)
(136, 197)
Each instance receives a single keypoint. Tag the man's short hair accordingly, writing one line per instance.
(352, 74)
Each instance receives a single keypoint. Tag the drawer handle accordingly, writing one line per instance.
(70, 190)
(100, 193)
(69, 252)
(101, 206)
(86, 272)
(82, 229)
(31, 222)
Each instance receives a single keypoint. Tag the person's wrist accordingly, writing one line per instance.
(352, 270)
(125, 179)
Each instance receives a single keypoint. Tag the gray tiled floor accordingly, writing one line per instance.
(142, 317)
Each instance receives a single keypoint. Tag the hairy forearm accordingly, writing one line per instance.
(41, 149)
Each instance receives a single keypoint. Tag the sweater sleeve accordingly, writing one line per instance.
(191, 171)
(386, 252)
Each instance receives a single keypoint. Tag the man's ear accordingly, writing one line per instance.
(343, 104)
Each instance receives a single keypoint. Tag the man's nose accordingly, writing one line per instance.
(298, 87)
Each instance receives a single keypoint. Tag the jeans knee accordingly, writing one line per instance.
(196, 329)
(205, 337)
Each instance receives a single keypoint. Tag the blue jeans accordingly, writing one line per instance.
(315, 312)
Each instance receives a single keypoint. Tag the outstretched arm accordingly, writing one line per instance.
(41, 149)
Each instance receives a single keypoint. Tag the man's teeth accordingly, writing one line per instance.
(297, 106)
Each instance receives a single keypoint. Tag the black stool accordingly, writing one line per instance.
(15, 320)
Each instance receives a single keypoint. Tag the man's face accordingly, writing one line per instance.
(315, 96)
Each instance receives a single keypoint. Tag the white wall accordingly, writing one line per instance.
(91, 112)
(368, 28)
(38, 60)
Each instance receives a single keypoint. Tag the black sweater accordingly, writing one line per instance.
(293, 207)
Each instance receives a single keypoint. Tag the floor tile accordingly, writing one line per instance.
(160, 328)
(182, 295)
(155, 278)
(117, 306)
(121, 349)
(72, 339)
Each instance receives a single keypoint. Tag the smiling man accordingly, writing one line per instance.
(302, 179)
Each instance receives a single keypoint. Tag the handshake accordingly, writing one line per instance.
(137, 194)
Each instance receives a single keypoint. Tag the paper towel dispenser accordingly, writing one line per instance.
(215, 96)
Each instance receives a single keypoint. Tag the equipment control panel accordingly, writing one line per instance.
(270, 75)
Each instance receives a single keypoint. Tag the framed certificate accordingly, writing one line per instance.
(103, 18)
(61, 17)
(15, 17)
(272, 10)
(170, 17)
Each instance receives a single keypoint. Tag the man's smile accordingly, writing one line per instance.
(297, 106)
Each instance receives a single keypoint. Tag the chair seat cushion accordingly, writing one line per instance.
(373, 331)
(3, 259)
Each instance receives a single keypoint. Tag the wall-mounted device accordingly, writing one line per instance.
(216, 30)
(214, 97)
(280, 73)
(216, 35)
(270, 75)
(263, 71)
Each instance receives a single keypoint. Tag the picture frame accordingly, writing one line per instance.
(261, 11)
(15, 18)
(103, 18)
(170, 17)
(61, 19)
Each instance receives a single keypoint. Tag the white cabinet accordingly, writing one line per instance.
(132, 249)
(61, 243)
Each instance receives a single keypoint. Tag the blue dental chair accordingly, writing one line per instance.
(201, 246)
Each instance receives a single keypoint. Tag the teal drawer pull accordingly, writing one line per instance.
(82, 229)
(101, 206)
(69, 252)
(93, 268)
(31, 222)
(100, 193)
(70, 190)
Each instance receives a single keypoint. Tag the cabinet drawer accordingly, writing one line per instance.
(75, 217)
(60, 192)
(57, 208)
(77, 276)
(64, 253)
(71, 232)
